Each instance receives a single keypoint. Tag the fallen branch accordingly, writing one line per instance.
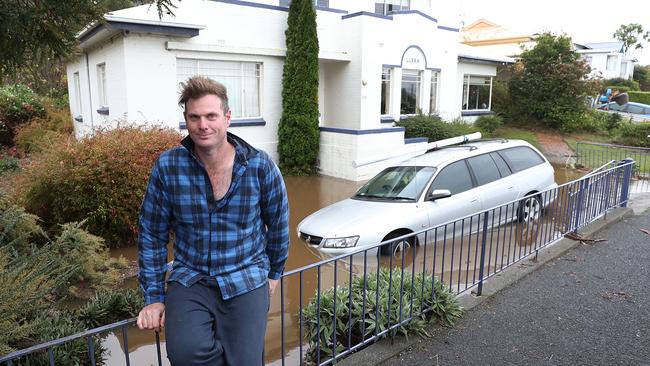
(582, 239)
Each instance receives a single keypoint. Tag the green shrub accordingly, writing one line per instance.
(111, 306)
(8, 162)
(444, 307)
(634, 134)
(20, 233)
(620, 84)
(639, 97)
(41, 133)
(489, 123)
(431, 127)
(100, 179)
(18, 105)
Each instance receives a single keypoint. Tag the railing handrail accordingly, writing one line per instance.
(612, 145)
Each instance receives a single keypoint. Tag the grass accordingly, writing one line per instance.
(517, 133)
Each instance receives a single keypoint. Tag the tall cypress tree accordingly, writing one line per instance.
(298, 130)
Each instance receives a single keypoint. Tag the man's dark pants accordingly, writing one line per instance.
(203, 329)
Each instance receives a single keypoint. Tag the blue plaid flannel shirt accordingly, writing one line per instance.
(241, 239)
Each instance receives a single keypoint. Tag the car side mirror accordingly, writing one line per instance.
(438, 193)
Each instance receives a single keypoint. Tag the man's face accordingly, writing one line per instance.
(206, 121)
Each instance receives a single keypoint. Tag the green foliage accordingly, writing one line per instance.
(42, 133)
(501, 103)
(550, 84)
(620, 84)
(433, 127)
(8, 162)
(87, 254)
(642, 76)
(100, 179)
(640, 97)
(20, 233)
(489, 123)
(375, 317)
(111, 306)
(634, 134)
(18, 105)
(631, 35)
(298, 130)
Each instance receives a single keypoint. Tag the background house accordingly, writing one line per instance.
(606, 59)
(379, 61)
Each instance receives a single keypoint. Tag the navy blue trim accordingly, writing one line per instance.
(347, 131)
(386, 119)
(435, 69)
(392, 66)
(415, 140)
(103, 111)
(79, 118)
(145, 28)
(421, 51)
(97, 27)
(253, 5)
(367, 13)
(482, 61)
(448, 28)
(476, 113)
(247, 122)
(413, 12)
(243, 122)
(406, 116)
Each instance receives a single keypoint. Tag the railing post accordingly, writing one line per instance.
(581, 194)
(627, 175)
(479, 291)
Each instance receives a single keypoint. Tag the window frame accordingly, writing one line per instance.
(418, 92)
(76, 84)
(467, 82)
(614, 58)
(442, 170)
(434, 92)
(259, 67)
(385, 4)
(101, 85)
(389, 84)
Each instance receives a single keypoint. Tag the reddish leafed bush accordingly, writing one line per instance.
(101, 179)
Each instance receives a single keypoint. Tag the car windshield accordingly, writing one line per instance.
(403, 183)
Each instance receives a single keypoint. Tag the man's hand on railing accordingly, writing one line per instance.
(152, 316)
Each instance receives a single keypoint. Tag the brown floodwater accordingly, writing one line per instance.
(307, 195)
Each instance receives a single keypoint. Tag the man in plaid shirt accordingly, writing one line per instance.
(227, 205)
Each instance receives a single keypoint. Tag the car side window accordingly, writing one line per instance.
(634, 109)
(615, 107)
(455, 177)
(484, 168)
(521, 157)
(504, 170)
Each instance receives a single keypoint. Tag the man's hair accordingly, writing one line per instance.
(200, 86)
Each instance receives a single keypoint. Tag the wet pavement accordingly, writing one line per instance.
(588, 306)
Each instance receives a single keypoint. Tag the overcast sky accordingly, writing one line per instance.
(585, 21)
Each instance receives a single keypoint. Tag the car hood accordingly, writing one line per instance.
(353, 217)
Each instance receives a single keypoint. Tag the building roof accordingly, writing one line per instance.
(143, 18)
(469, 54)
(484, 32)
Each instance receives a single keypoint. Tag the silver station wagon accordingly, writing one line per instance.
(431, 189)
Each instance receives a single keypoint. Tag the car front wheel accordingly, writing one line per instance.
(530, 209)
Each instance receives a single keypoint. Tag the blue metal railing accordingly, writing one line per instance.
(462, 254)
(590, 155)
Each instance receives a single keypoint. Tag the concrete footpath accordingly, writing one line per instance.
(578, 304)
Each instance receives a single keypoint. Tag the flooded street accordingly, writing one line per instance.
(307, 195)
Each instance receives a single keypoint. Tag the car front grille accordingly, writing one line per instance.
(311, 239)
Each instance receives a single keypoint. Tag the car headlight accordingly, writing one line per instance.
(341, 242)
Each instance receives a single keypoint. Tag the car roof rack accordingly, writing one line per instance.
(503, 140)
(471, 147)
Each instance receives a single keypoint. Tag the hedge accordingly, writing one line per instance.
(639, 97)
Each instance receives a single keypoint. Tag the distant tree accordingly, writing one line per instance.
(642, 76)
(298, 130)
(549, 84)
(43, 32)
(631, 35)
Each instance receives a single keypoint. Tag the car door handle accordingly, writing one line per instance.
(511, 188)
(474, 200)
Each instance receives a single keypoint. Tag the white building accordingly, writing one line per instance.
(379, 61)
(606, 59)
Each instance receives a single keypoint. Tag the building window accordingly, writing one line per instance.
(410, 101)
(242, 79)
(317, 3)
(77, 93)
(588, 60)
(623, 69)
(433, 100)
(611, 62)
(101, 85)
(477, 92)
(385, 91)
(384, 7)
